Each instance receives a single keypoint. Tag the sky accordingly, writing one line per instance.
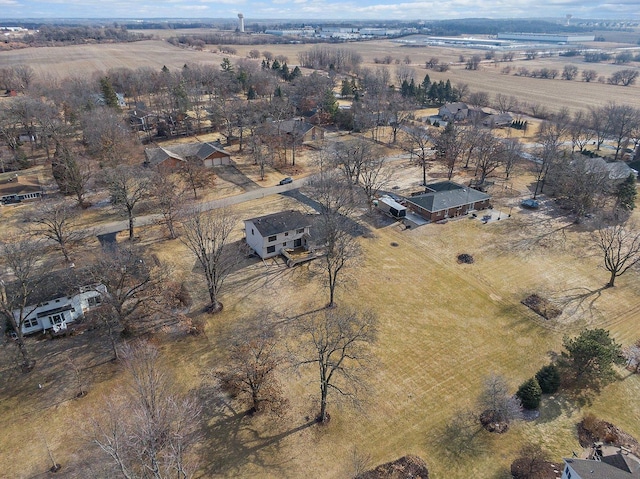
(320, 9)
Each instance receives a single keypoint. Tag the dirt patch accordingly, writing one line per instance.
(407, 467)
(465, 258)
(591, 430)
(541, 306)
(488, 421)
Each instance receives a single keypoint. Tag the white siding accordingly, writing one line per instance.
(261, 244)
(66, 308)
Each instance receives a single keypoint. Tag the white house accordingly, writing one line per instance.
(269, 235)
(615, 465)
(58, 300)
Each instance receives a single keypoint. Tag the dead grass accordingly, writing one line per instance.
(443, 329)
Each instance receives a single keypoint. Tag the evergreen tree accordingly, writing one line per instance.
(275, 66)
(284, 72)
(530, 394)
(346, 89)
(226, 65)
(412, 88)
(108, 93)
(626, 193)
(548, 378)
(590, 356)
(296, 73)
(251, 94)
(426, 83)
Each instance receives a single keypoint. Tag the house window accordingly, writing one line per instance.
(287, 233)
(271, 249)
(271, 238)
(251, 231)
(30, 323)
(94, 301)
(300, 230)
(284, 244)
(56, 319)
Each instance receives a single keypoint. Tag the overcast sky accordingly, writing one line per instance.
(319, 9)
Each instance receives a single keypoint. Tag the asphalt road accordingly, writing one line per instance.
(116, 226)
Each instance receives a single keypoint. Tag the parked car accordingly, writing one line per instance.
(286, 181)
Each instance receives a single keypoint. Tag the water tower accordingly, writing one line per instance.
(568, 16)
(240, 22)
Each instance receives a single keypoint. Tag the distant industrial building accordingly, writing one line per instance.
(546, 37)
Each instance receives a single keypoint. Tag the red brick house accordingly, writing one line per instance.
(170, 159)
(447, 200)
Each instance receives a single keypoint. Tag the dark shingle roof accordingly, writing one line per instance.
(447, 195)
(280, 222)
(181, 152)
(587, 468)
(53, 285)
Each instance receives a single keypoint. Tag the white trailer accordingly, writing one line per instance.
(391, 207)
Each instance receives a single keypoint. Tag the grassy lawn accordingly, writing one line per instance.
(444, 327)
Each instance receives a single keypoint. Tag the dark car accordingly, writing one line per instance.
(286, 181)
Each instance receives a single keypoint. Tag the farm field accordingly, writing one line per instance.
(74, 60)
(444, 327)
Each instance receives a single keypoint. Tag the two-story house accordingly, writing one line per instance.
(269, 235)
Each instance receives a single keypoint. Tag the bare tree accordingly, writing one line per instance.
(512, 154)
(208, 237)
(620, 247)
(622, 119)
(21, 258)
(169, 200)
(338, 342)
(57, 221)
(254, 357)
(581, 133)
(599, 124)
(196, 175)
(506, 103)
(337, 231)
(489, 155)
(148, 430)
(497, 404)
(128, 187)
(362, 164)
(419, 142)
(72, 173)
(135, 289)
(549, 138)
(449, 147)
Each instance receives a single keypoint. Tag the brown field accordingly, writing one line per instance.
(62, 62)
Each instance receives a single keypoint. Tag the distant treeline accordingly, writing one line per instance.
(69, 35)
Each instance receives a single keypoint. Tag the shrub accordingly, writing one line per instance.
(548, 379)
(530, 394)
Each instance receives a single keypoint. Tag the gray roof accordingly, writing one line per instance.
(280, 222)
(181, 152)
(591, 469)
(288, 126)
(616, 170)
(53, 285)
(446, 195)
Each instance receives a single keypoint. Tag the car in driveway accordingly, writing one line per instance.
(286, 181)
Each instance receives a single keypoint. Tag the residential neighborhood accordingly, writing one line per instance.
(256, 251)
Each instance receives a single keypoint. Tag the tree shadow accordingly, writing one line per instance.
(236, 439)
(554, 406)
(579, 299)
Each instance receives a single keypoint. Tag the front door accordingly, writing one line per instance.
(297, 243)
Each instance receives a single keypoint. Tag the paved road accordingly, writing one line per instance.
(252, 194)
(116, 226)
